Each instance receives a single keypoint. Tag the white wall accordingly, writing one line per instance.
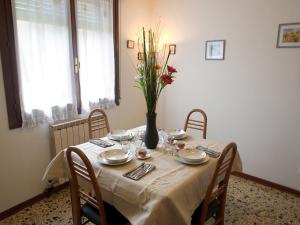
(25, 153)
(252, 97)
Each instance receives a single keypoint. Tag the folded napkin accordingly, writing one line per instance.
(101, 143)
(209, 152)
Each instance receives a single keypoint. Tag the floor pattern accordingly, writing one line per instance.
(248, 203)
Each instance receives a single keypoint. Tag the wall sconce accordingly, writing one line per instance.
(140, 56)
(172, 49)
(130, 44)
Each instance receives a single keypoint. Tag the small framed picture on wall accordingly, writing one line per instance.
(172, 49)
(140, 56)
(215, 50)
(288, 35)
(130, 44)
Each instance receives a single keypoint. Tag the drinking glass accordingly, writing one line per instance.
(125, 146)
(170, 149)
(138, 140)
(167, 143)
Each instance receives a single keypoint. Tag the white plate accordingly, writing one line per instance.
(114, 155)
(191, 154)
(205, 160)
(105, 162)
(176, 133)
(120, 135)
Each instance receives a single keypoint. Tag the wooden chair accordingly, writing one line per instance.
(94, 208)
(196, 124)
(98, 124)
(215, 199)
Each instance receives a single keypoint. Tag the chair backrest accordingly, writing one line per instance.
(80, 166)
(196, 124)
(98, 124)
(217, 188)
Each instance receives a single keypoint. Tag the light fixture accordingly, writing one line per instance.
(130, 44)
(172, 49)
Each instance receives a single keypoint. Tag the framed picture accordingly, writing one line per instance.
(288, 35)
(140, 56)
(215, 50)
(130, 44)
(172, 49)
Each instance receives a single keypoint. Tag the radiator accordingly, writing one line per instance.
(69, 133)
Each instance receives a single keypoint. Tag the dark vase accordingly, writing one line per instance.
(151, 134)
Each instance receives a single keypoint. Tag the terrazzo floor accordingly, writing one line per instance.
(248, 203)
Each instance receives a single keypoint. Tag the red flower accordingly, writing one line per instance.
(166, 79)
(171, 69)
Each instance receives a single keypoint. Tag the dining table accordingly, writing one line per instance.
(168, 195)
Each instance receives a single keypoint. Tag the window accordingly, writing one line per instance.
(64, 55)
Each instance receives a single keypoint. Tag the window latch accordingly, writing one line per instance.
(76, 65)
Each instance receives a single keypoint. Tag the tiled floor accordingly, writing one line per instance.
(247, 203)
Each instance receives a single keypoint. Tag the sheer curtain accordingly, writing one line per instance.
(96, 53)
(45, 65)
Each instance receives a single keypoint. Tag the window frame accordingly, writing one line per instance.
(9, 60)
(9, 65)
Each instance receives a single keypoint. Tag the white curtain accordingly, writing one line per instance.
(47, 84)
(96, 53)
(43, 40)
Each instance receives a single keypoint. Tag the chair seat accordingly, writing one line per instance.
(213, 207)
(114, 217)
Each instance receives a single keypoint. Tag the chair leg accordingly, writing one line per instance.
(221, 211)
(75, 202)
(220, 217)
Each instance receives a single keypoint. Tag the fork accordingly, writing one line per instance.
(144, 170)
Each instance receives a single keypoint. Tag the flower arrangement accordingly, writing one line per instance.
(152, 77)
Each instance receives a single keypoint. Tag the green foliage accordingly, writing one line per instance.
(149, 71)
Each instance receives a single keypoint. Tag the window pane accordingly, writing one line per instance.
(44, 55)
(96, 51)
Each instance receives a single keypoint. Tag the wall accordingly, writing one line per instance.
(252, 97)
(25, 153)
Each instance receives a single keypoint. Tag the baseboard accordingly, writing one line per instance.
(267, 183)
(31, 201)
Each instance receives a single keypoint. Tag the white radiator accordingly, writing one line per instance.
(69, 133)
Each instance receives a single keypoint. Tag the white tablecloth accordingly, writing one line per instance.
(166, 196)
